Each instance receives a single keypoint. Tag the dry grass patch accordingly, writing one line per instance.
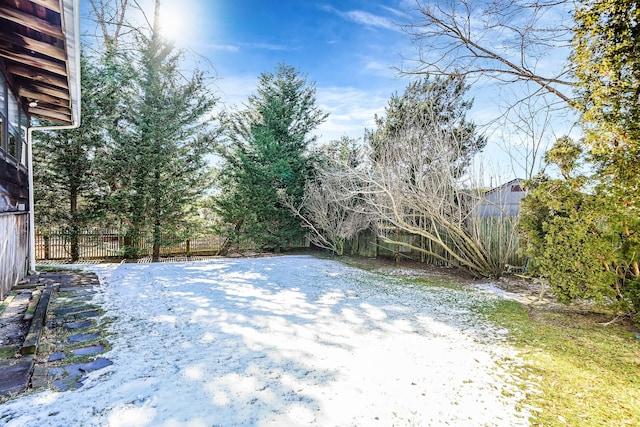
(586, 374)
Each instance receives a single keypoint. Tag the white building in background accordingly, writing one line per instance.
(503, 200)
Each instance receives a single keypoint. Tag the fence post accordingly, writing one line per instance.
(396, 254)
(47, 246)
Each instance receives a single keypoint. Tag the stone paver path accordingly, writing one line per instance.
(68, 335)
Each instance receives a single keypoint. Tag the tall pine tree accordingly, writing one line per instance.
(428, 104)
(158, 157)
(68, 185)
(607, 65)
(267, 157)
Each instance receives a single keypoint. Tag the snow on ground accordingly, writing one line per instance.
(284, 341)
(492, 288)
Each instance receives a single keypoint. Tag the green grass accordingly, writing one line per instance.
(57, 269)
(577, 372)
(586, 374)
(31, 309)
(5, 303)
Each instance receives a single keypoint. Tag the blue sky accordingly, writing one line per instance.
(351, 50)
(348, 48)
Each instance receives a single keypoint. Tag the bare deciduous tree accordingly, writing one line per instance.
(519, 50)
(430, 204)
(333, 216)
(504, 40)
(110, 16)
(526, 131)
(413, 185)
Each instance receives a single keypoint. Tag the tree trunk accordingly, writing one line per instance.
(131, 251)
(227, 243)
(74, 240)
(47, 246)
(157, 241)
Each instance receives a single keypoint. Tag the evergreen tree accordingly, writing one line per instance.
(583, 232)
(425, 105)
(565, 232)
(159, 149)
(607, 64)
(266, 158)
(68, 186)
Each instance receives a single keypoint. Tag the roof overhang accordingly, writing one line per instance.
(40, 54)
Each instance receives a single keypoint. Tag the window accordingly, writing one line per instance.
(3, 147)
(13, 116)
(13, 122)
(12, 142)
(24, 125)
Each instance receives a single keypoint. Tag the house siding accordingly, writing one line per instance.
(14, 249)
(14, 190)
(502, 201)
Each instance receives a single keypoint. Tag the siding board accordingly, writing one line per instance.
(14, 250)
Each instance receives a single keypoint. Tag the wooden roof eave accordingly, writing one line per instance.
(41, 53)
(71, 28)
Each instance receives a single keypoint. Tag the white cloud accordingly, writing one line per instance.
(235, 90)
(225, 47)
(396, 12)
(267, 46)
(381, 68)
(370, 20)
(260, 46)
(364, 18)
(350, 111)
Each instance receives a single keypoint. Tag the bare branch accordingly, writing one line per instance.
(505, 40)
(110, 17)
(332, 215)
(412, 184)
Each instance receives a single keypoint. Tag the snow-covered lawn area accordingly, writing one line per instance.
(284, 341)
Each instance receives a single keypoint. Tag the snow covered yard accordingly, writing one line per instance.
(284, 341)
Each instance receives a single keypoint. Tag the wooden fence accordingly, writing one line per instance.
(499, 236)
(105, 244)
